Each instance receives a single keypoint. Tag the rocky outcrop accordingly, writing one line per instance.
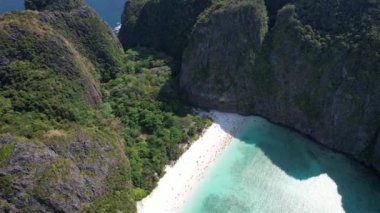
(320, 88)
(58, 152)
(222, 48)
(272, 7)
(164, 25)
(91, 36)
(316, 70)
(305, 76)
(58, 174)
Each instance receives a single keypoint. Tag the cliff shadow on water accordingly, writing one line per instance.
(303, 159)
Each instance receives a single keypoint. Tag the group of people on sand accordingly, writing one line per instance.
(187, 174)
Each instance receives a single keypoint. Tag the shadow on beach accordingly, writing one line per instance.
(302, 159)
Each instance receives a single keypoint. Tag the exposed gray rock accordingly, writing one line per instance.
(219, 60)
(56, 177)
(164, 25)
(320, 89)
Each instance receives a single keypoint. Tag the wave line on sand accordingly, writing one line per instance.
(181, 180)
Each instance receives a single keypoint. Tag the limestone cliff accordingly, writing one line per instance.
(321, 79)
(58, 153)
(221, 53)
(316, 70)
(164, 25)
(84, 125)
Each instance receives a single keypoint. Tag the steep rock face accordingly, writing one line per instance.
(59, 173)
(320, 86)
(92, 38)
(58, 153)
(319, 75)
(219, 60)
(273, 6)
(316, 70)
(164, 25)
(35, 50)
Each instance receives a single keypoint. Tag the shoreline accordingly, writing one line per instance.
(181, 180)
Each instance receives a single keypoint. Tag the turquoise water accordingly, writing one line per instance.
(268, 168)
(109, 10)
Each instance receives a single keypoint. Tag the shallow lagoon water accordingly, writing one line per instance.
(109, 10)
(268, 168)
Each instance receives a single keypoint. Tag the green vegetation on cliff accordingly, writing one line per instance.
(163, 25)
(167, 25)
(317, 71)
(85, 126)
(5, 152)
(88, 127)
(146, 101)
(35, 75)
(273, 6)
(313, 67)
(50, 94)
(219, 50)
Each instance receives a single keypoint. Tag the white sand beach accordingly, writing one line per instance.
(180, 180)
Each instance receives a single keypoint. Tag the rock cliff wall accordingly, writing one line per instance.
(58, 153)
(221, 53)
(164, 25)
(315, 70)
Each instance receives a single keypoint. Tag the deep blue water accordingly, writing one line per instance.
(109, 10)
(10, 5)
